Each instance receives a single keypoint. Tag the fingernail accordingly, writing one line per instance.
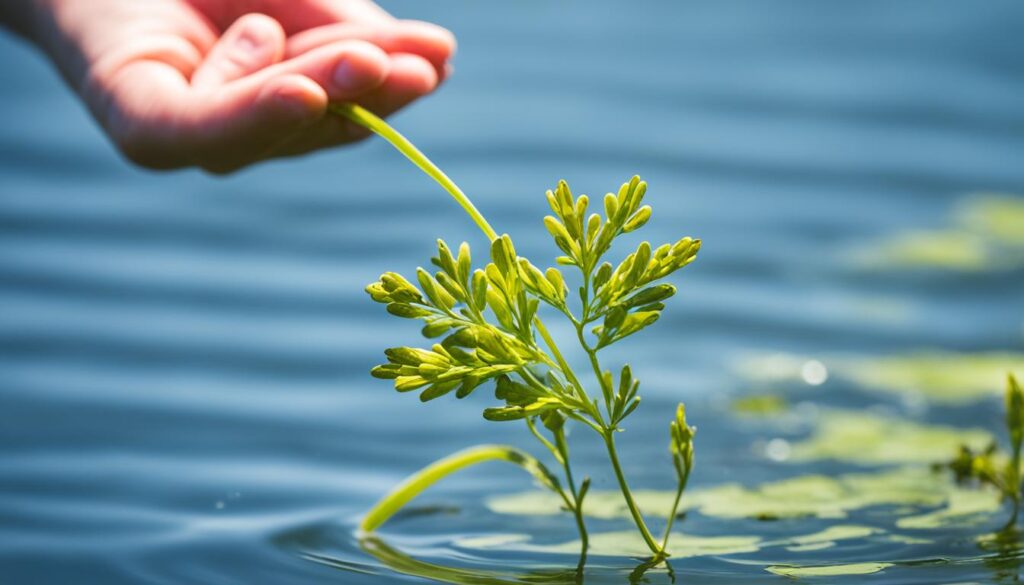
(247, 41)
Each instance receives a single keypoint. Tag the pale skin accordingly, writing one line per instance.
(222, 84)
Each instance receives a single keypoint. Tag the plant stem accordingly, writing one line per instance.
(577, 509)
(673, 511)
(421, 480)
(562, 364)
(367, 119)
(609, 441)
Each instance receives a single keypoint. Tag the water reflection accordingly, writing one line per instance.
(1005, 561)
(400, 562)
(403, 563)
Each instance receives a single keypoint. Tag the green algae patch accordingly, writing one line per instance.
(834, 533)
(945, 249)
(944, 377)
(810, 547)
(759, 405)
(965, 508)
(999, 216)
(807, 496)
(911, 540)
(870, 439)
(986, 233)
(827, 570)
(947, 377)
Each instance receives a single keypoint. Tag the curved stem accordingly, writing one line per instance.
(634, 511)
(367, 119)
(543, 441)
(431, 474)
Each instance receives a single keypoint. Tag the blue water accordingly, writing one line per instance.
(184, 394)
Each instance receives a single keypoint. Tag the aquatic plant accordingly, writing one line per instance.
(992, 467)
(486, 320)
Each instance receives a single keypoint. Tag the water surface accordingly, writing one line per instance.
(184, 359)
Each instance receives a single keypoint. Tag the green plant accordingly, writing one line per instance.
(486, 320)
(990, 466)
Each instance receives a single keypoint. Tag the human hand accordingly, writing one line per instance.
(221, 84)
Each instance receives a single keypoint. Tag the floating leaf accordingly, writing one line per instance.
(867, 438)
(987, 233)
(802, 496)
(827, 570)
(942, 376)
(968, 507)
(759, 405)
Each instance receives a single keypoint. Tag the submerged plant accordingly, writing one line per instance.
(487, 326)
(990, 466)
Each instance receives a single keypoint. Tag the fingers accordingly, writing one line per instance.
(345, 69)
(253, 42)
(433, 43)
(242, 127)
(159, 121)
(410, 78)
(249, 117)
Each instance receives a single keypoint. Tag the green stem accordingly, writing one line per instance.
(577, 508)
(367, 119)
(543, 441)
(431, 474)
(675, 508)
(609, 439)
(634, 511)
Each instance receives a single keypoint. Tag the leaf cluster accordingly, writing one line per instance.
(623, 297)
(681, 444)
(484, 317)
(990, 467)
